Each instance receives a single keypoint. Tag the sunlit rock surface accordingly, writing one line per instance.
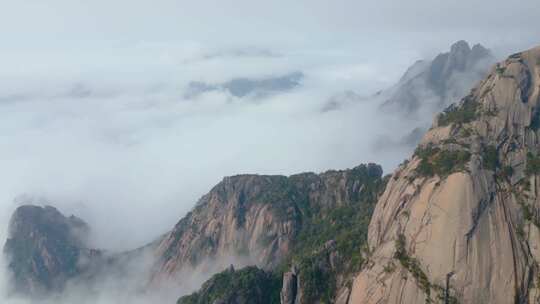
(464, 208)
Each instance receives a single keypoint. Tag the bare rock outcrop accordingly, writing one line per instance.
(255, 219)
(250, 216)
(459, 221)
(330, 213)
(266, 221)
(289, 291)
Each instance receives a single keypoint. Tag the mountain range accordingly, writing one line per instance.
(457, 222)
(435, 84)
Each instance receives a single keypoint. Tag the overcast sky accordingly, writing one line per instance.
(98, 32)
(90, 93)
(72, 24)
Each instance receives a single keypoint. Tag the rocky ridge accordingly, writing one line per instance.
(459, 222)
(435, 84)
(271, 222)
(45, 249)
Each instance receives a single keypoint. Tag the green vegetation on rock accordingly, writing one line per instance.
(330, 214)
(412, 265)
(530, 213)
(533, 164)
(459, 114)
(436, 161)
(318, 282)
(491, 161)
(466, 132)
(490, 158)
(507, 171)
(249, 285)
(345, 227)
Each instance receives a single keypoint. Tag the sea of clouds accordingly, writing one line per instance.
(129, 151)
(99, 119)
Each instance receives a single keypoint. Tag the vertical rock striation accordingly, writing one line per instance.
(462, 216)
(255, 219)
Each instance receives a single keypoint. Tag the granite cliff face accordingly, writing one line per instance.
(325, 218)
(257, 220)
(248, 215)
(459, 222)
(313, 222)
(433, 85)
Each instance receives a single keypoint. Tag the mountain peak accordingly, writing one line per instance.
(507, 97)
(27, 220)
(479, 48)
(464, 211)
(460, 46)
(45, 248)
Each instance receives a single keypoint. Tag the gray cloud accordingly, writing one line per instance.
(241, 87)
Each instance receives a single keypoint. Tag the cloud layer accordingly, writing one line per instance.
(121, 151)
